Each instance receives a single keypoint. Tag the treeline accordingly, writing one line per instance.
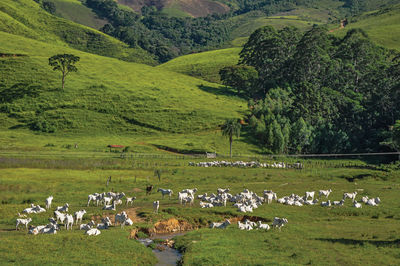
(270, 7)
(168, 37)
(160, 35)
(313, 92)
(356, 7)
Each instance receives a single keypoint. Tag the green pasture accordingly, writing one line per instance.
(76, 11)
(382, 26)
(205, 65)
(314, 234)
(101, 99)
(26, 18)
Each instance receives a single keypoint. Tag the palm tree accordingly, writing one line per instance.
(231, 128)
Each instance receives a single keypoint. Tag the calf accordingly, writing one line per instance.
(130, 200)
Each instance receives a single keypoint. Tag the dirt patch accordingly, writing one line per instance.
(133, 215)
(171, 226)
(137, 190)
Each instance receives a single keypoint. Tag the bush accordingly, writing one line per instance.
(43, 125)
(49, 7)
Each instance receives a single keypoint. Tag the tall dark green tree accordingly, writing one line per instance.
(242, 78)
(65, 63)
(231, 128)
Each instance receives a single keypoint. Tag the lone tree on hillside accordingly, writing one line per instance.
(231, 128)
(64, 63)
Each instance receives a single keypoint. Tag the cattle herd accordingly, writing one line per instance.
(245, 201)
(252, 164)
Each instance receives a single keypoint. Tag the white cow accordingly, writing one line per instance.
(325, 193)
(351, 196)
(69, 221)
(93, 232)
(48, 202)
(23, 222)
(220, 225)
(130, 200)
(79, 215)
(156, 206)
(309, 194)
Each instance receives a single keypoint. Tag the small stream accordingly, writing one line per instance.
(168, 256)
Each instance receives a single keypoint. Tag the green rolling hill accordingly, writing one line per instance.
(204, 65)
(382, 26)
(26, 18)
(76, 11)
(107, 100)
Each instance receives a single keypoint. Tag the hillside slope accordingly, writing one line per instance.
(204, 65)
(27, 19)
(76, 11)
(382, 26)
(193, 8)
(102, 98)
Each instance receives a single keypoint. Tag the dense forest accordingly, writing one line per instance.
(313, 92)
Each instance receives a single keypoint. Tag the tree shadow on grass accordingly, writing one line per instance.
(377, 243)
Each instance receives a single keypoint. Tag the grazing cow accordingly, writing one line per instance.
(165, 192)
(149, 189)
(279, 222)
(351, 196)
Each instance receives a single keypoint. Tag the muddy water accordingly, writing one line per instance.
(168, 256)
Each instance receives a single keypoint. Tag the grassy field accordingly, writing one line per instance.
(75, 11)
(26, 18)
(204, 65)
(382, 26)
(314, 235)
(100, 98)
